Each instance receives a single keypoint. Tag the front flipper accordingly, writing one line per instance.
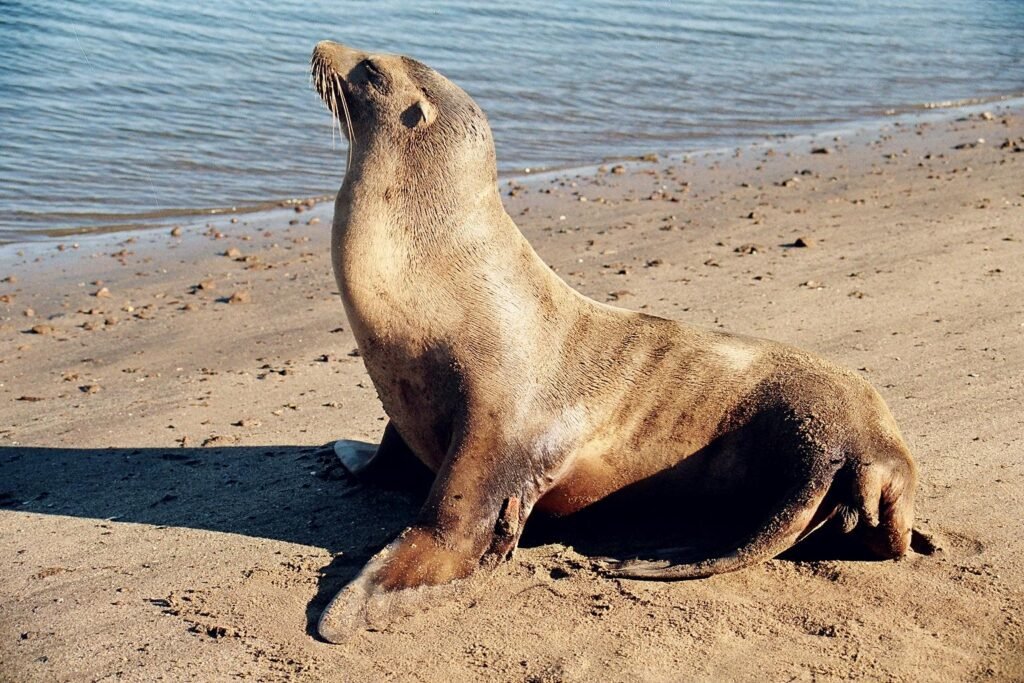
(415, 570)
(391, 463)
(473, 517)
(355, 456)
(394, 583)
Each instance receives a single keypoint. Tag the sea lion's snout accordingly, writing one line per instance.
(331, 66)
(334, 59)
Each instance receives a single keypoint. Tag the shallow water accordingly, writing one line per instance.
(118, 114)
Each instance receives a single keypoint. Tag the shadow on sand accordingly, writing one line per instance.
(296, 494)
(300, 494)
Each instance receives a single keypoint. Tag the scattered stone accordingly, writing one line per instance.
(176, 231)
(219, 440)
(1014, 145)
(246, 422)
(30, 399)
(240, 297)
(102, 293)
(749, 249)
(42, 329)
(650, 157)
(618, 169)
(233, 252)
(804, 242)
(29, 313)
(11, 279)
(207, 285)
(821, 150)
(89, 388)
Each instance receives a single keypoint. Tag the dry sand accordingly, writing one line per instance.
(168, 512)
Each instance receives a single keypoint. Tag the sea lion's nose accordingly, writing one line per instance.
(340, 59)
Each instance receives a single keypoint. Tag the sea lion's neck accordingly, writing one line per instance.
(392, 199)
(422, 243)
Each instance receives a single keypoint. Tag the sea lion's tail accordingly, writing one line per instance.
(799, 513)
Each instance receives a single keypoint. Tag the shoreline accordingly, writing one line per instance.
(191, 219)
(166, 508)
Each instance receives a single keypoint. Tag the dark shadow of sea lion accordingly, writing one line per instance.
(302, 494)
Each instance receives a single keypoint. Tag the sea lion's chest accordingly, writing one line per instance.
(418, 391)
(400, 320)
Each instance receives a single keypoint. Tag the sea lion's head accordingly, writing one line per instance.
(403, 114)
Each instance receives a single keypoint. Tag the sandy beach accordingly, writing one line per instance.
(168, 510)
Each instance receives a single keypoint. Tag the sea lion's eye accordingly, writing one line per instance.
(373, 74)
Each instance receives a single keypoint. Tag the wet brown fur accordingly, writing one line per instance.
(513, 387)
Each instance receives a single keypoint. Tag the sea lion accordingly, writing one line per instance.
(522, 394)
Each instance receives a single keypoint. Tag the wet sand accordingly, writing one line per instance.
(167, 511)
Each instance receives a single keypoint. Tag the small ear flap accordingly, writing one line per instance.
(420, 113)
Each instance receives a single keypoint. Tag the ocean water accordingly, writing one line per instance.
(117, 114)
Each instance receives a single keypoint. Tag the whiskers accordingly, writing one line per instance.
(328, 85)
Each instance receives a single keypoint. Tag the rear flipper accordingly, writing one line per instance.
(797, 516)
(877, 508)
(881, 509)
